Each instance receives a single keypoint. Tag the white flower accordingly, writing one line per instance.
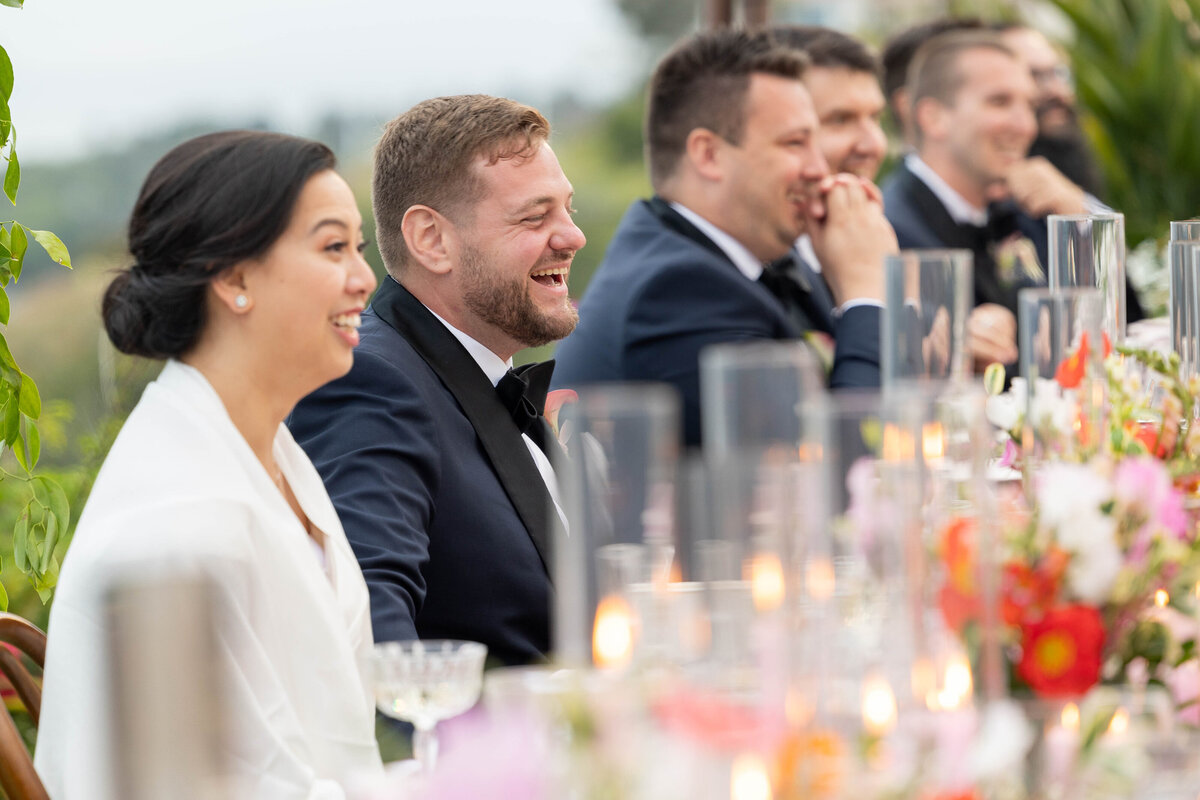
(1003, 741)
(1094, 568)
(1066, 491)
(1004, 411)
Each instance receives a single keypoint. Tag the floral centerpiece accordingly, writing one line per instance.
(1100, 561)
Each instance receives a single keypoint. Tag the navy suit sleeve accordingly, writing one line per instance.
(856, 355)
(678, 313)
(375, 443)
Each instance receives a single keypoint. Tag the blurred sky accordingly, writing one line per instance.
(92, 74)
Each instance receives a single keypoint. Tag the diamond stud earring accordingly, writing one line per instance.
(241, 301)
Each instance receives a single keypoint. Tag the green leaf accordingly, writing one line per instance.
(51, 495)
(35, 443)
(20, 541)
(19, 449)
(6, 75)
(31, 400)
(3, 598)
(11, 421)
(4, 308)
(52, 530)
(12, 374)
(12, 3)
(18, 245)
(53, 246)
(12, 175)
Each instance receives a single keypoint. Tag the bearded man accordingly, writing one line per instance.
(432, 448)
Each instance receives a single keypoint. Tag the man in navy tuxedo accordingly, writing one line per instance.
(432, 449)
(737, 175)
(970, 184)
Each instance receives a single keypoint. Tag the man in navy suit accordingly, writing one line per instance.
(737, 175)
(431, 448)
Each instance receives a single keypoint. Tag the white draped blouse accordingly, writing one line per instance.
(181, 491)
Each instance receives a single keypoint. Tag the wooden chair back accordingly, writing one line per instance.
(18, 778)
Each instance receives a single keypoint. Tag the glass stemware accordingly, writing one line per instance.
(425, 682)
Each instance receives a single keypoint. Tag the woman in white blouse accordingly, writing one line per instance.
(249, 278)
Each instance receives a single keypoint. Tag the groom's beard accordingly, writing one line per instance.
(504, 303)
(1064, 146)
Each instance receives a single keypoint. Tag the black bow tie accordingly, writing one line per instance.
(523, 391)
(1001, 223)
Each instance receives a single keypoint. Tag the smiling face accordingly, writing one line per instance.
(1055, 99)
(849, 105)
(310, 286)
(988, 126)
(767, 176)
(515, 250)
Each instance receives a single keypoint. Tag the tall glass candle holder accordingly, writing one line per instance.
(1062, 344)
(614, 560)
(928, 298)
(1088, 251)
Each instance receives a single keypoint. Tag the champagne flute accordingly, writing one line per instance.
(425, 682)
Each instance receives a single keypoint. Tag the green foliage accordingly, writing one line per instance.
(1137, 67)
(46, 514)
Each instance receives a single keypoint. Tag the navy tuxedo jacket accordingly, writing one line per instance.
(921, 221)
(665, 291)
(439, 496)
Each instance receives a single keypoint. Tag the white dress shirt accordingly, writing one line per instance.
(181, 493)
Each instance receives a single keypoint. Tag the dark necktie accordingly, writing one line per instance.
(523, 391)
(787, 282)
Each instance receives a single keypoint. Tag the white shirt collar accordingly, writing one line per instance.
(742, 258)
(956, 205)
(492, 365)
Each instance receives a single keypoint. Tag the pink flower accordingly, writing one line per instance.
(1184, 683)
(1143, 485)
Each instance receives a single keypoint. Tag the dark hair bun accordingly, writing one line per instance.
(210, 203)
(151, 317)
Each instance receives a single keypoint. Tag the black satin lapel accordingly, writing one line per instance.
(934, 214)
(676, 222)
(503, 443)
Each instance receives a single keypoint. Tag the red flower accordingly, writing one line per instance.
(1028, 591)
(959, 597)
(1061, 652)
(1071, 369)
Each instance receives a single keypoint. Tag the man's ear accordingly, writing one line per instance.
(703, 151)
(430, 238)
(929, 118)
(231, 289)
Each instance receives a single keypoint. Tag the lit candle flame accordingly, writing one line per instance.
(1120, 722)
(897, 444)
(766, 582)
(748, 779)
(1070, 717)
(879, 706)
(612, 637)
(956, 683)
(1161, 598)
(933, 441)
(820, 579)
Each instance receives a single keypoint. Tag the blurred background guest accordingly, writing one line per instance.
(248, 277)
(1059, 138)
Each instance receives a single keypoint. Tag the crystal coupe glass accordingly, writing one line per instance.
(425, 682)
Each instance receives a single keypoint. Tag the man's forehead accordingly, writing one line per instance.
(984, 69)
(828, 87)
